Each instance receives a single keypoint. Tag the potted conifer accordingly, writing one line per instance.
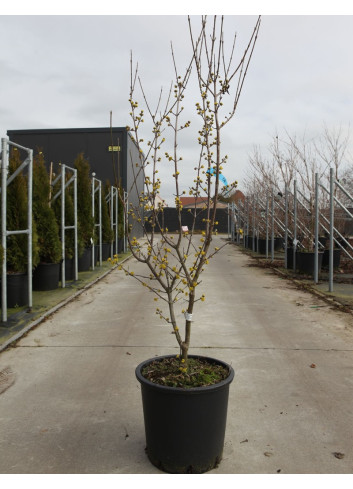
(107, 231)
(184, 396)
(46, 274)
(84, 211)
(69, 233)
(17, 244)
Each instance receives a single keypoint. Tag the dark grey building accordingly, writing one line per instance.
(111, 152)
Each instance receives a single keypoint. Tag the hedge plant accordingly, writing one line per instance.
(17, 211)
(84, 200)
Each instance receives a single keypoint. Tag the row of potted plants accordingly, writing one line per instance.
(304, 256)
(46, 218)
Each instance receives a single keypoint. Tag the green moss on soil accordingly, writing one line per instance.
(170, 372)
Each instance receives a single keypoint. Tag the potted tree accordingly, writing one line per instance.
(46, 274)
(84, 211)
(184, 396)
(17, 244)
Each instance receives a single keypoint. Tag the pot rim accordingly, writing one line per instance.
(180, 390)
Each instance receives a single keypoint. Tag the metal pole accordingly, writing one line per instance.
(267, 225)
(100, 222)
(272, 227)
(295, 226)
(253, 224)
(29, 225)
(63, 225)
(111, 219)
(4, 170)
(116, 220)
(126, 220)
(286, 226)
(228, 221)
(75, 224)
(93, 218)
(316, 224)
(332, 210)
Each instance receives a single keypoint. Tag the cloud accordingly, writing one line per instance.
(71, 71)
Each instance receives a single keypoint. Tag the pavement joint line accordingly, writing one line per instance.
(55, 308)
(131, 347)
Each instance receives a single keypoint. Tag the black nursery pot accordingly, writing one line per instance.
(185, 428)
(85, 260)
(262, 246)
(305, 261)
(17, 289)
(46, 276)
(336, 258)
(105, 251)
(290, 255)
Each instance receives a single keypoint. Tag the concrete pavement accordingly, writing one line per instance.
(70, 403)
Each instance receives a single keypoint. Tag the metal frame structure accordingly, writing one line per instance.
(97, 187)
(63, 227)
(126, 218)
(262, 217)
(113, 200)
(28, 162)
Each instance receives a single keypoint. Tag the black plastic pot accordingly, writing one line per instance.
(105, 251)
(85, 260)
(185, 428)
(46, 276)
(120, 245)
(290, 258)
(305, 261)
(69, 269)
(279, 243)
(250, 243)
(261, 245)
(336, 258)
(17, 289)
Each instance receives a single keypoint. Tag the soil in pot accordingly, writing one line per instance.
(185, 427)
(46, 276)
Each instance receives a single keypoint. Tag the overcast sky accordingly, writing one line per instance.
(71, 71)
